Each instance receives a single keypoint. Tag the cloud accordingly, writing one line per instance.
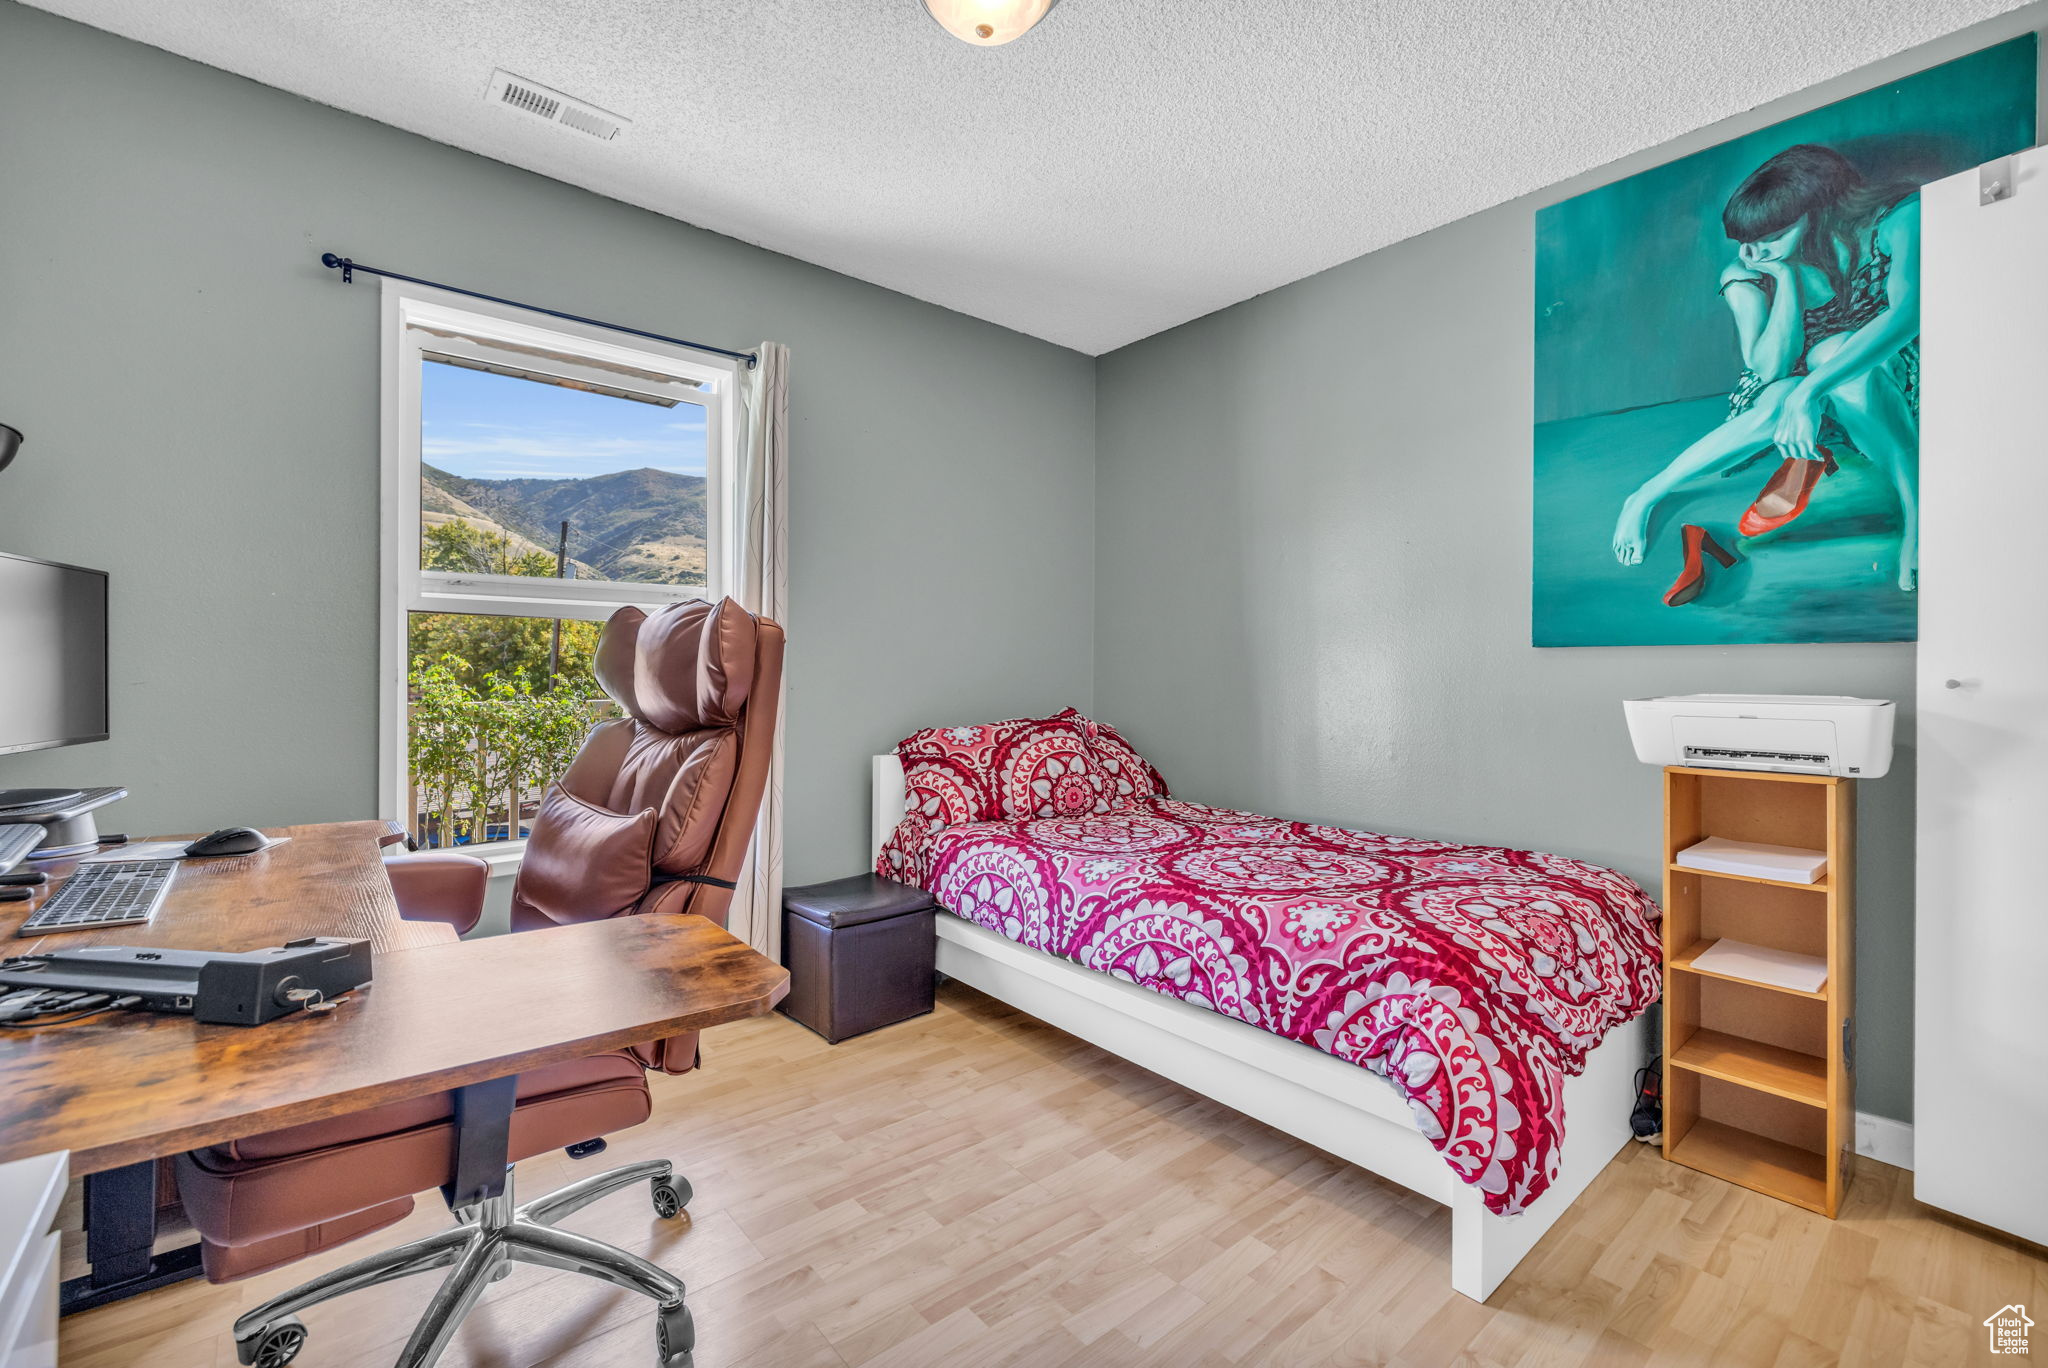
(494, 427)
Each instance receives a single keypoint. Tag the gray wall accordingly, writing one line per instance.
(201, 402)
(1304, 550)
(1312, 527)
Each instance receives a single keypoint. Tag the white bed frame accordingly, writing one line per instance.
(1335, 1106)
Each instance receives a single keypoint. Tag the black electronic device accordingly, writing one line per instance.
(1647, 1120)
(53, 635)
(229, 841)
(241, 988)
(53, 627)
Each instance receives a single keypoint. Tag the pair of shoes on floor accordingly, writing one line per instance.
(1782, 499)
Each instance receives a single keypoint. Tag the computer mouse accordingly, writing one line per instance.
(228, 841)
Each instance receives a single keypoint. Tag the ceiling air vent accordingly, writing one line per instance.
(531, 97)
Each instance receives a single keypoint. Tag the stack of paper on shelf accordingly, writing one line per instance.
(1761, 964)
(1718, 855)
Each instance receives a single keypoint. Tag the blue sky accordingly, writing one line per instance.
(497, 427)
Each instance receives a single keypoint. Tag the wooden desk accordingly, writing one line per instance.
(123, 1090)
(328, 880)
(434, 1019)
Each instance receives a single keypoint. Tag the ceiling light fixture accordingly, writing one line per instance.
(988, 23)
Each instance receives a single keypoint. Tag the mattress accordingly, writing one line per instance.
(1474, 979)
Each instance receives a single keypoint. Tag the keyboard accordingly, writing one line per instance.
(111, 893)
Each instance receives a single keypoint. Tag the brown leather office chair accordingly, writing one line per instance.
(654, 815)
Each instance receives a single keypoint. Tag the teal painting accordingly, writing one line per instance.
(1727, 373)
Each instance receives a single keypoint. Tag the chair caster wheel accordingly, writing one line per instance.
(278, 1344)
(671, 1195)
(675, 1335)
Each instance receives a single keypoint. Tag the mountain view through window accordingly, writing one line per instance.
(548, 480)
(513, 468)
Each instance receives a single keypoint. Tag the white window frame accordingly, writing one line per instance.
(704, 379)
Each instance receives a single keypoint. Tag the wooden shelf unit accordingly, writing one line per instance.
(1757, 1081)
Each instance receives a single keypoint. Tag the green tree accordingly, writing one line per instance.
(486, 746)
(438, 742)
(465, 548)
(490, 719)
(513, 648)
(477, 647)
(553, 727)
(496, 756)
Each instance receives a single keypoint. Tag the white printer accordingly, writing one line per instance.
(1776, 733)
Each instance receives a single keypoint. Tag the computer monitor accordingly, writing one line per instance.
(53, 640)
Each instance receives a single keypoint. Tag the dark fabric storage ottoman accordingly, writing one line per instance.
(859, 953)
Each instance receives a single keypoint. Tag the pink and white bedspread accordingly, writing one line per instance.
(1471, 978)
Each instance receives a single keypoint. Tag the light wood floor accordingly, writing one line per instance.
(974, 1188)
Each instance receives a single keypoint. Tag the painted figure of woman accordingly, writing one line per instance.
(1825, 293)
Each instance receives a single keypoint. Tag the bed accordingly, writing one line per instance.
(1163, 996)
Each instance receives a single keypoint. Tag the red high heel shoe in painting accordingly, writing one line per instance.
(1784, 498)
(1699, 543)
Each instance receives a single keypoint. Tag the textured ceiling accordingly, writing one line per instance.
(1128, 166)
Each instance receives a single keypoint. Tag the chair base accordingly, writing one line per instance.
(492, 1235)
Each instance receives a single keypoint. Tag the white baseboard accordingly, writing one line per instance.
(1885, 1140)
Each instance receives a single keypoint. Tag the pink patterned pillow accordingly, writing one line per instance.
(1127, 778)
(1023, 768)
(942, 790)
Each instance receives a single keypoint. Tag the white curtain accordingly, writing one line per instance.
(757, 574)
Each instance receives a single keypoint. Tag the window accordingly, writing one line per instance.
(538, 475)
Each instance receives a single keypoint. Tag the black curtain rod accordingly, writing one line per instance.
(349, 268)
